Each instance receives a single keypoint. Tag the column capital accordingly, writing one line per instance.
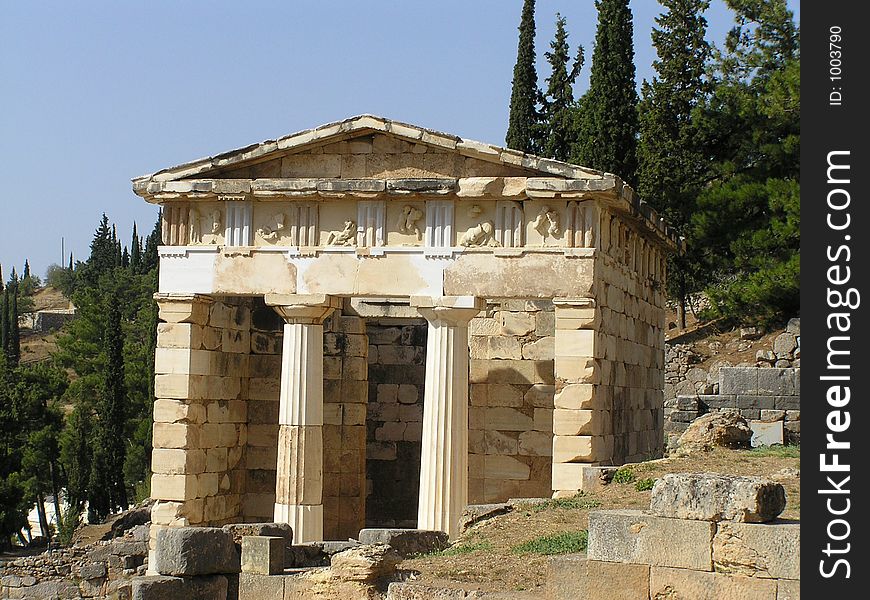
(303, 308)
(452, 311)
(183, 308)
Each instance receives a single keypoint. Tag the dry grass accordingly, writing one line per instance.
(486, 557)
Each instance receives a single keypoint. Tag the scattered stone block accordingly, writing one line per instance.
(260, 587)
(418, 591)
(477, 513)
(240, 530)
(766, 433)
(713, 497)
(263, 555)
(727, 428)
(190, 551)
(632, 536)
(767, 550)
(159, 587)
(406, 542)
(365, 563)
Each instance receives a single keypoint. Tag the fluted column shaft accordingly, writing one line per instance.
(299, 481)
(444, 461)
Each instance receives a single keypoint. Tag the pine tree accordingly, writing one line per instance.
(607, 115)
(4, 323)
(559, 99)
(524, 121)
(14, 353)
(672, 166)
(102, 258)
(135, 252)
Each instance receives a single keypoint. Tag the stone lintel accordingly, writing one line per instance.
(449, 311)
(574, 302)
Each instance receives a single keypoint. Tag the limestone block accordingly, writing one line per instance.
(266, 344)
(503, 394)
(569, 422)
(574, 369)
(683, 583)
(507, 419)
(535, 443)
(406, 542)
(769, 550)
(260, 458)
(158, 587)
(354, 369)
(580, 396)
(580, 342)
(183, 361)
(581, 448)
(332, 413)
(387, 392)
(567, 476)
(264, 388)
(390, 432)
(788, 589)
(263, 554)
(180, 386)
(179, 335)
(407, 393)
(633, 536)
(712, 497)
(365, 563)
(482, 326)
(354, 414)
(542, 349)
(176, 435)
(260, 587)
(408, 413)
(206, 484)
(513, 323)
(178, 411)
(174, 487)
(170, 461)
(504, 347)
(573, 576)
(500, 443)
(539, 395)
(263, 435)
(193, 551)
(543, 420)
(216, 460)
(505, 467)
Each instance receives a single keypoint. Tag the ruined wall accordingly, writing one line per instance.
(511, 401)
(394, 425)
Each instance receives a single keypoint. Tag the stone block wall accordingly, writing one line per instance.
(758, 394)
(510, 434)
(394, 423)
(659, 557)
(630, 350)
(345, 394)
(200, 414)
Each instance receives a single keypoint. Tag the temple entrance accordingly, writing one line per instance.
(394, 420)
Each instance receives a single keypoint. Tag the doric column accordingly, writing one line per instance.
(299, 485)
(444, 461)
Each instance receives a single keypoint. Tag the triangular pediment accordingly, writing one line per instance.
(370, 147)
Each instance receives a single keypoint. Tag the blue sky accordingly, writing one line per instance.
(95, 93)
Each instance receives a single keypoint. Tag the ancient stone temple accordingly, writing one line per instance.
(372, 323)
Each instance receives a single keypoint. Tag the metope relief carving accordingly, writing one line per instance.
(409, 221)
(548, 223)
(273, 228)
(345, 237)
(204, 229)
(480, 235)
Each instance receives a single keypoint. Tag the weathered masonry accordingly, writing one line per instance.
(370, 307)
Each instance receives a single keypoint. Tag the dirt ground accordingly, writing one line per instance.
(484, 559)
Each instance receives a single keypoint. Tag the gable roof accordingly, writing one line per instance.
(363, 125)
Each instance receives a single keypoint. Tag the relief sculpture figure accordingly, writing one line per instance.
(272, 230)
(408, 221)
(548, 222)
(345, 237)
(479, 235)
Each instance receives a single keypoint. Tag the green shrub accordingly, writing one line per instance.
(624, 475)
(560, 543)
(643, 485)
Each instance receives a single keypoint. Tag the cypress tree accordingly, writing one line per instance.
(671, 170)
(4, 322)
(125, 258)
(524, 120)
(559, 99)
(150, 258)
(26, 274)
(135, 252)
(607, 118)
(70, 262)
(106, 489)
